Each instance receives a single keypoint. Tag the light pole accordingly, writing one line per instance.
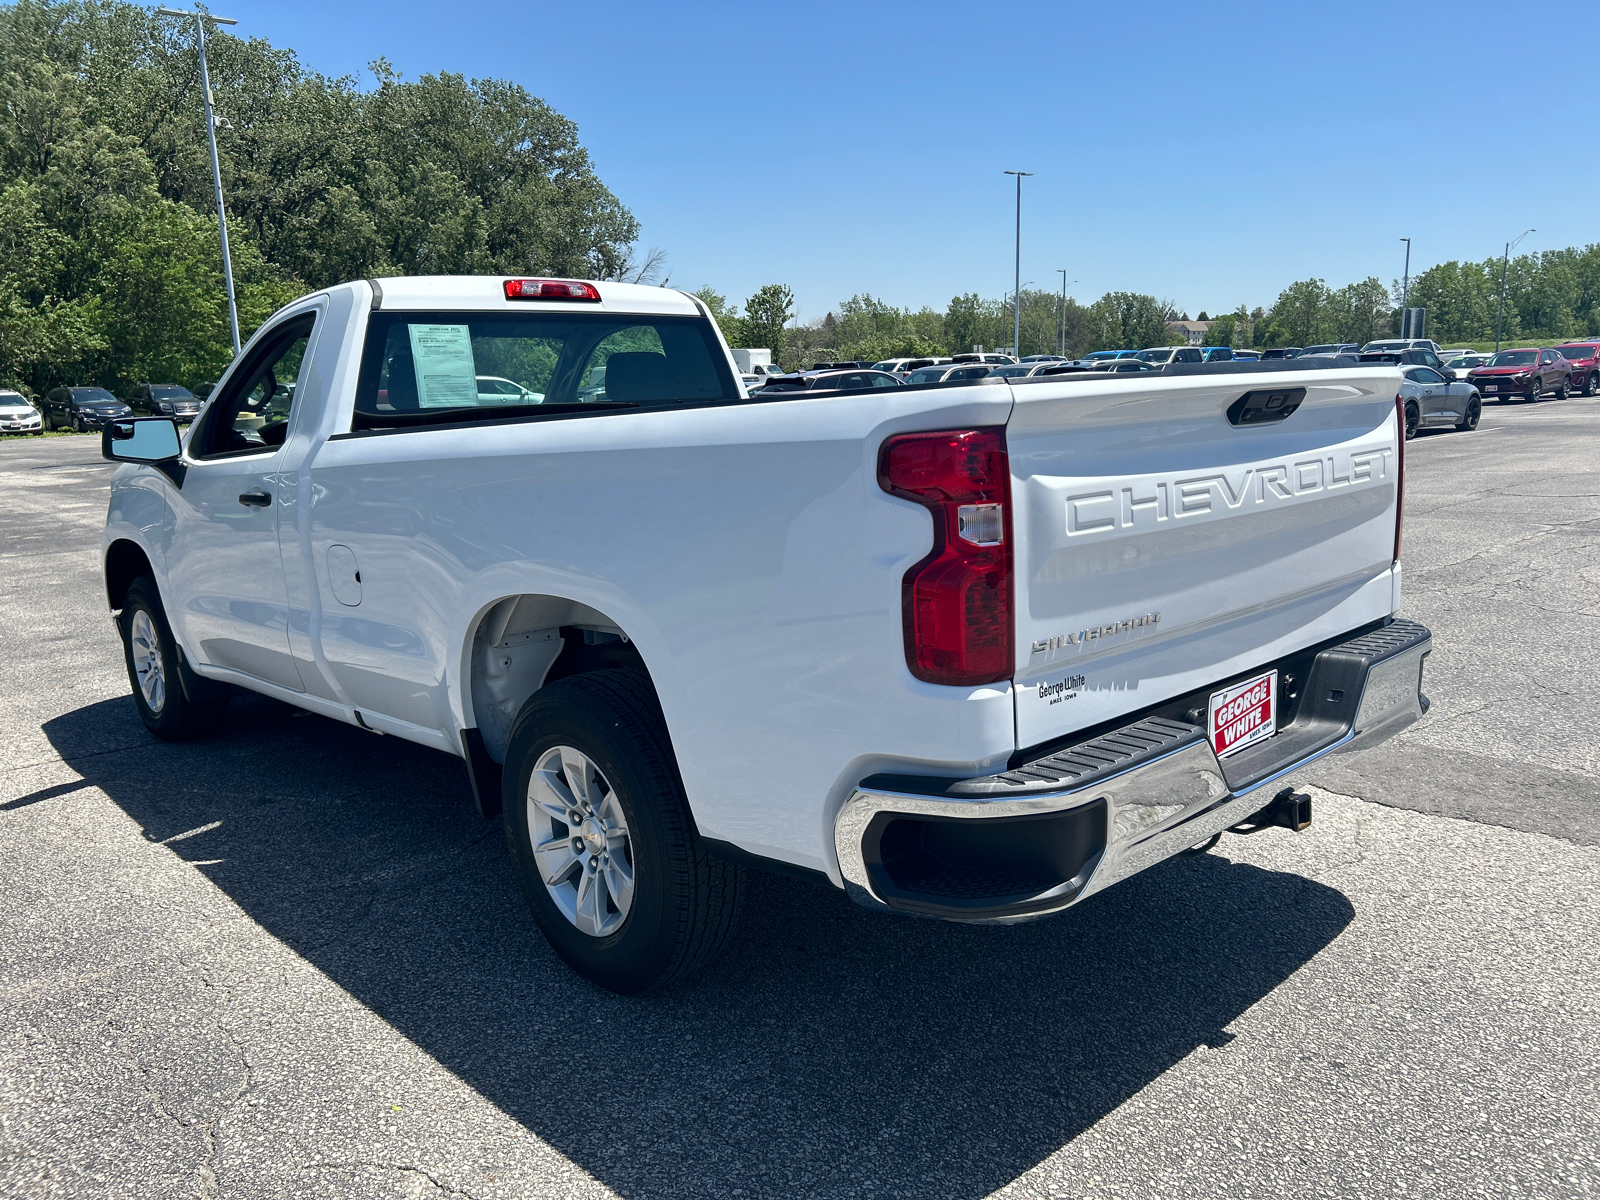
(1064, 281)
(212, 121)
(1405, 290)
(1016, 329)
(1504, 262)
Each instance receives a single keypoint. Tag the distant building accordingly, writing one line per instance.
(1194, 332)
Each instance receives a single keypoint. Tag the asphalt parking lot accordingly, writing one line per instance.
(291, 961)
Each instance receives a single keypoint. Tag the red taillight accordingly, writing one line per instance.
(956, 602)
(550, 289)
(1399, 470)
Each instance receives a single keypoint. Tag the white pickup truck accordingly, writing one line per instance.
(972, 651)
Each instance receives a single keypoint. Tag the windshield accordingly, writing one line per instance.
(1154, 355)
(1575, 352)
(170, 391)
(94, 396)
(1008, 372)
(426, 367)
(1514, 358)
(1388, 346)
(931, 376)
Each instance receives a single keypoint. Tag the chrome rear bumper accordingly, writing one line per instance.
(1039, 837)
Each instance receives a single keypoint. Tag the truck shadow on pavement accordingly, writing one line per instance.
(831, 1051)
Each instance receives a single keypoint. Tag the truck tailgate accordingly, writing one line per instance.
(1160, 547)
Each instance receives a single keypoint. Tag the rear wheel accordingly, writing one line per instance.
(1566, 386)
(1411, 421)
(152, 659)
(602, 840)
(1469, 419)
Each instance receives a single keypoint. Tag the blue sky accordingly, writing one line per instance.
(1207, 153)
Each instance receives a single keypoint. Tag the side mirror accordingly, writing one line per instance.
(1450, 376)
(143, 440)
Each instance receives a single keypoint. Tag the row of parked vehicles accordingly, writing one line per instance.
(87, 409)
(1440, 388)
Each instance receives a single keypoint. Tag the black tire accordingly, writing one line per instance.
(1412, 420)
(1566, 386)
(173, 717)
(685, 902)
(1469, 419)
(1535, 390)
(1591, 384)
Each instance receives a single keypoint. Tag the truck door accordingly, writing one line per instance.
(225, 574)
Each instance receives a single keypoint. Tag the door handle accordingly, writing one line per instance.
(255, 499)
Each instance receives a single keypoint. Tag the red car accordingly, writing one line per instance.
(1525, 373)
(1585, 360)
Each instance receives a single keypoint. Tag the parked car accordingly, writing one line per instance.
(1405, 356)
(839, 366)
(202, 390)
(1247, 356)
(1281, 352)
(164, 400)
(902, 367)
(495, 389)
(1160, 356)
(17, 415)
(1032, 358)
(993, 359)
(951, 372)
(1462, 363)
(971, 652)
(81, 408)
(1584, 358)
(1401, 344)
(1329, 350)
(1219, 354)
(1120, 366)
(1098, 355)
(1526, 373)
(1431, 400)
(831, 381)
(1022, 370)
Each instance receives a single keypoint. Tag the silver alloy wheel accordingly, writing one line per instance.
(148, 666)
(580, 841)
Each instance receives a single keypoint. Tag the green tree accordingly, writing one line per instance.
(724, 314)
(765, 315)
(1128, 321)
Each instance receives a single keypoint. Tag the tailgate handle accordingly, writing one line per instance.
(1261, 408)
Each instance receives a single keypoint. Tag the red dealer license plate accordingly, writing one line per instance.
(1244, 714)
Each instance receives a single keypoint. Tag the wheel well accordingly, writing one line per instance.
(125, 562)
(522, 643)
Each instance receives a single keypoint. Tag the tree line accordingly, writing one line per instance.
(1549, 297)
(110, 271)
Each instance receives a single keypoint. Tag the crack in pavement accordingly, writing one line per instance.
(404, 1168)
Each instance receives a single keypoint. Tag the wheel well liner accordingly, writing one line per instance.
(125, 562)
(521, 643)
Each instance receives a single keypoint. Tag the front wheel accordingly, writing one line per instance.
(1591, 384)
(1411, 421)
(152, 659)
(1534, 391)
(601, 837)
(77, 424)
(1469, 419)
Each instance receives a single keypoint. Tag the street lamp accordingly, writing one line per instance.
(1405, 289)
(1504, 262)
(212, 121)
(1016, 334)
(1063, 272)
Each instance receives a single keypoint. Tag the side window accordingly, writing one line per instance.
(1427, 375)
(252, 414)
(884, 381)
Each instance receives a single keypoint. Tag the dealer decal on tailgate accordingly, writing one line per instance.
(1244, 714)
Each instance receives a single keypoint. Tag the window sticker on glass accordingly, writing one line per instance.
(446, 376)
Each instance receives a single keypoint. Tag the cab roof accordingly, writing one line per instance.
(487, 293)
